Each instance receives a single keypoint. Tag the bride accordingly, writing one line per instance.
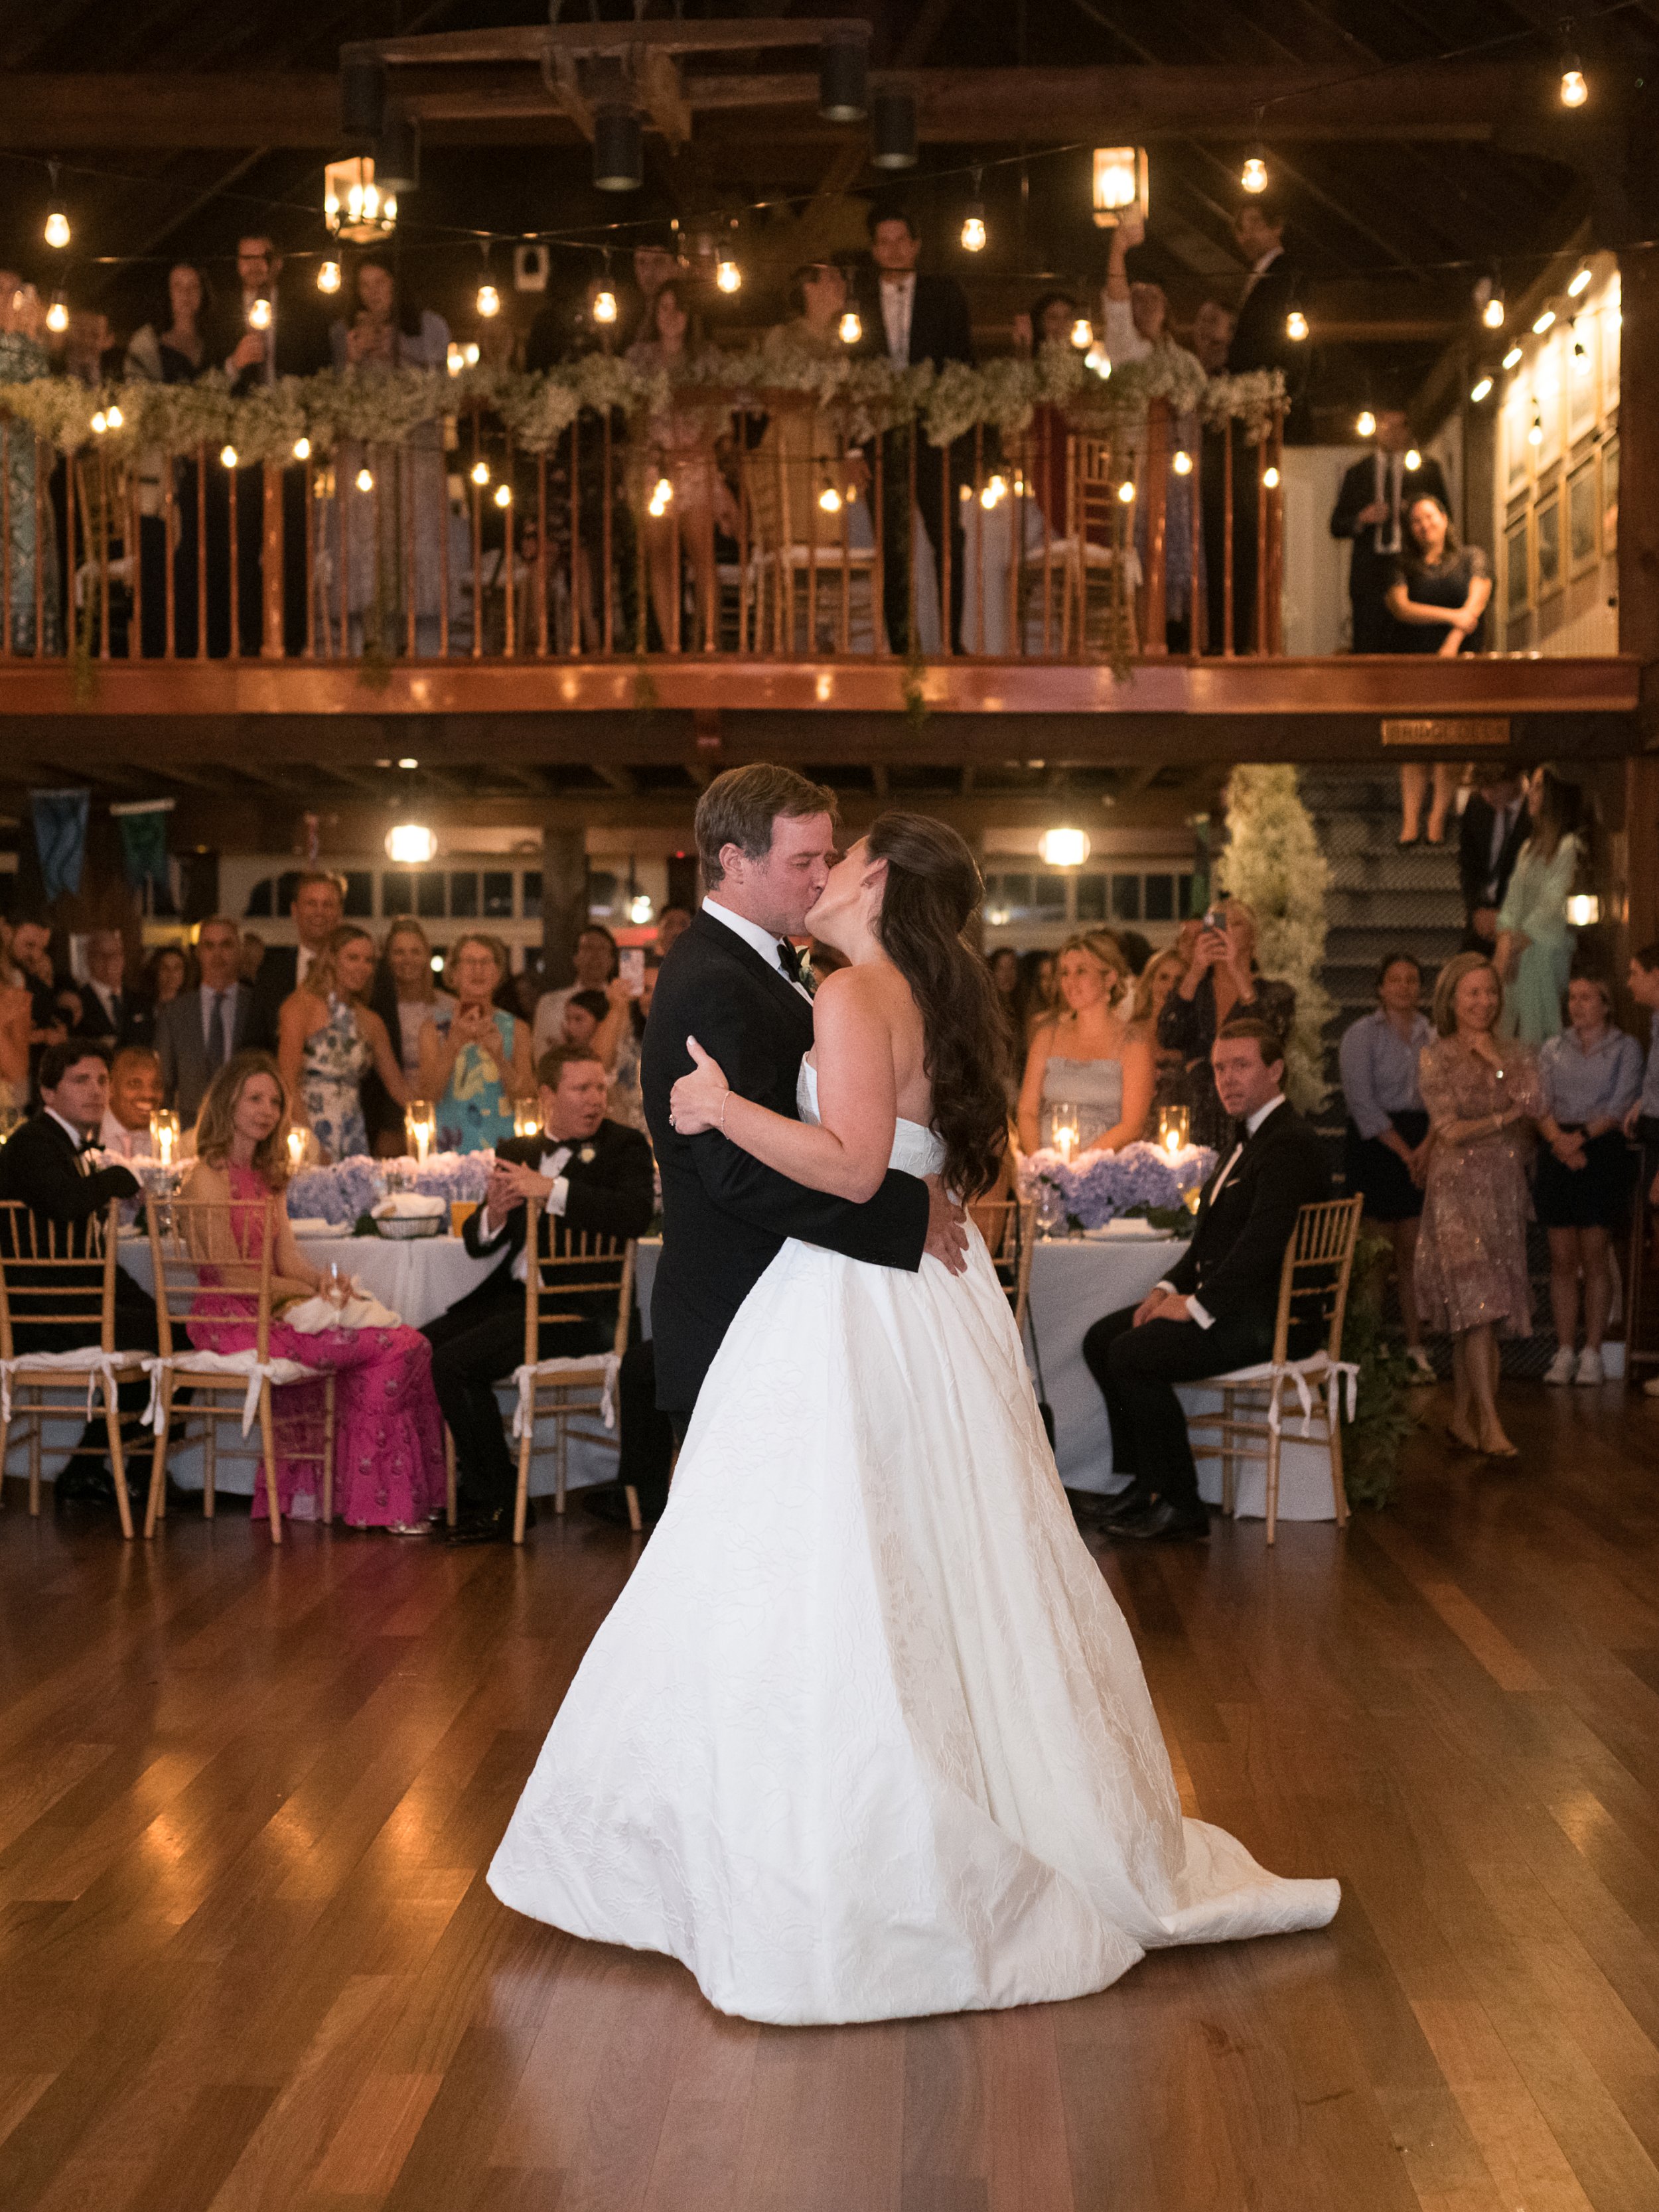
(865, 1736)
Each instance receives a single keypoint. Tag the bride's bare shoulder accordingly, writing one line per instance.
(872, 992)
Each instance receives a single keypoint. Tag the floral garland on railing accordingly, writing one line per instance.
(1101, 1186)
(332, 410)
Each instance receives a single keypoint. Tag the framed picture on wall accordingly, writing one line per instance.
(1517, 567)
(1607, 315)
(1610, 497)
(1547, 543)
(1517, 453)
(1580, 344)
(1583, 519)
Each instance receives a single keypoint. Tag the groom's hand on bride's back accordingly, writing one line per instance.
(947, 1228)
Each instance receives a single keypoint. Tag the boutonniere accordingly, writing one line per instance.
(586, 1155)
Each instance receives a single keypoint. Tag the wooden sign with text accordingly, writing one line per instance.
(1466, 733)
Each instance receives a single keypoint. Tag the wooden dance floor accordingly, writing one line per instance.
(247, 1959)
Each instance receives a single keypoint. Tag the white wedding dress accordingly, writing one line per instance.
(865, 1736)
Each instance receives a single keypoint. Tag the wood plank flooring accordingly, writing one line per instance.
(247, 1959)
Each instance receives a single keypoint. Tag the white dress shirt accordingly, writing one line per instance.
(76, 1137)
(106, 1000)
(898, 300)
(554, 1161)
(761, 941)
(1253, 1122)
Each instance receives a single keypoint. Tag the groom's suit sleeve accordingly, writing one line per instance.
(889, 1231)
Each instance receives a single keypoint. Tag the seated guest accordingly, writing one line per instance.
(41, 1166)
(1591, 1075)
(198, 1031)
(595, 1177)
(1483, 1093)
(596, 961)
(1218, 1306)
(135, 1093)
(388, 1439)
(1222, 981)
(1440, 587)
(329, 1037)
(1369, 513)
(109, 1011)
(1090, 1059)
(1387, 1138)
(474, 1070)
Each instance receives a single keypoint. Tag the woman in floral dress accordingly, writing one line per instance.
(481, 1064)
(328, 1038)
(388, 1432)
(1483, 1093)
(33, 531)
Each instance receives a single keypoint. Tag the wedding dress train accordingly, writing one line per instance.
(865, 1736)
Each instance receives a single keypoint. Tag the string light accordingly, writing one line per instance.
(1367, 425)
(100, 423)
(605, 299)
(1125, 491)
(1183, 463)
(1579, 285)
(1481, 391)
(227, 457)
(1295, 326)
(328, 277)
(1492, 313)
(1413, 459)
(1512, 358)
(302, 449)
(1254, 175)
(469, 353)
(58, 314)
(1535, 434)
(995, 491)
(57, 233)
(365, 479)
(661, 493)
(1082, 334)
(480, 473)
(1270, 478)
(454, 359)
(830, 500)
(729, 277)
(258, 314)
(503, 494)
(1546, 321)
(851, 328)
(1574, 91)
(115, 418)
(973, 227)
(488, 300)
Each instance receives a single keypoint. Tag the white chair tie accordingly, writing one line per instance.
(207, 1364)
(543, 1371)
(1332, 1372)
(99, 1366)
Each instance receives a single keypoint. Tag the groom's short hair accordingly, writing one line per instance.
(740, 808)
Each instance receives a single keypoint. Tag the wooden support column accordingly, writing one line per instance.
(564, 900)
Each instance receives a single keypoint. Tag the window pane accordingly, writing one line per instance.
(601, 894)
(1049, 902)
(532, 894)
(1092, 898)
(359, 893)
(429, 895)
(397, 894)
(464, 893)
(498, 894)
(258, 900)
(1183, 897)
(1126, 898)
(1160, 898)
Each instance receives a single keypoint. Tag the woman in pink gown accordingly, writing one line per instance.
(388, 1432)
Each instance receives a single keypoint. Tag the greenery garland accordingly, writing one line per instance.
(867, 395)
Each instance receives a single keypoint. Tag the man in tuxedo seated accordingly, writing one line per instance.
(595, 1177)
(1218, 1307)
(43, 1166)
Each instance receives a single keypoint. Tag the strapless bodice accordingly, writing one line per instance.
(916, 1151)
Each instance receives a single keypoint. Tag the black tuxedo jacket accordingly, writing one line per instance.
(39, 1167)
(1475, 852)
(1259, 339)
(1371, 571)
(612, 1194)
(278, 974)
(1238, 1248)
(725, 1217)
(941, 328)
(134, 1022)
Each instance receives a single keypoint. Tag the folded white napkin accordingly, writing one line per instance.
(311, 1225)
(409, 1206)
(363, 1310)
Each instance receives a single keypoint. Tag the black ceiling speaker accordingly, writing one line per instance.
(362, 98)
(397, 150)
(843, 73)
(893, 130)
(618, 150)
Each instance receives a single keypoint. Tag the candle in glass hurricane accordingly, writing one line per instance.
(419, 1126)
(164, 1135)
(527, 1119)
(297, 1141)
(1173, 1123)
(1063, 1132)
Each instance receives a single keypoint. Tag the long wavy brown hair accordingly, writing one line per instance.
(215, 1129)
(934, 892)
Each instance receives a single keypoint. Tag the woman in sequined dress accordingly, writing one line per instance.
(1483, 1095)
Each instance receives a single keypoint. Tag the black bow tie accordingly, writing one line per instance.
(795, 966)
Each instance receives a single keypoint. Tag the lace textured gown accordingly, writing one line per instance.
(865, 1736)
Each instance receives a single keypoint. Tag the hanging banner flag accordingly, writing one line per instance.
(60, 838)
(144, 840)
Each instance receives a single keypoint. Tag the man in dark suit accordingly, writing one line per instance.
(594, 1177)
(1494, 827)
(1217, 1308)
(318, 905)
(43, 1166)
(1261, 340)
(734, 981)
(199, 1031)
(908, 317)
(1369, 511)
(111, 1015)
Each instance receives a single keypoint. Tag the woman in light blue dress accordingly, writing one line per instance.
(1534, 944)
(480, 1067)
(328, 1038)
(1088, 1068)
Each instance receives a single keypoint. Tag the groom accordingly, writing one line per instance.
(733, 980)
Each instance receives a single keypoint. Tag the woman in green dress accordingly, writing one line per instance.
(1533, 953)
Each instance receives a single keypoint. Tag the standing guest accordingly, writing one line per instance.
(1039, 990)
(32, 526)
(594, 1178)
(474, 1069)
(388, 1437)
(1534, 944)
(1091, 1058)
(909, 317)
(1482, 1092)
(1212, 336)
(16, 1025)
(330, 1037)
(585, 1012)
(31, 951)
(198, 1031)
(1217, 1307)
(253, 957)
(1495, 826)
(405, 997)
(595, 961)
(1135, 326)
(318, 908)
(672, 923)
(800, 451)
(163, 976)
(1222, 981)
(1040, 448)
(1591, 1076)
(1438, 591)
(1641, 1121)
(41, 1167)
(627, 1101)
(1160, 977)
(679, 449)
(1004, 964)
(1370, 512)
(292, 343)
(1388, 1137)
(1261, 340)
(109, 1011)
(135, 1093)
(173, 348)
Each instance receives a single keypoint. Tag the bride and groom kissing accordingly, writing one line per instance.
(864, 1735)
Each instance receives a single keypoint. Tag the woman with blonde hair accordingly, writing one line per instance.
(1483, 1093)
(476, 1069)
(1222, 980)
(388, 1431)
(1091, 1059)
(328, 1038)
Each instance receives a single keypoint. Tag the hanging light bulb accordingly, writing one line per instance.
(480, 473)
(1492, 313)
(1579, 285)
(661, 493)
(454, 359)
(258, 314)
(1183, 463)
(729, 277)
(605, 299)
(228, 455)
(469, 353)
(100, 423)
(1099, 360)
(328, 277)
(302, 449)
(1535, 434)
(58, 229)
(1481, 390)
(1512, 358)
(58, 314)
(1574, 91)
(1254, 175)
(1295, 326)
(973, 227)
(851, 329)
(1082, 334)
(115, 418)
(1125, 491)
(488, 301)
(1546, 321)
(1270, 478)
(503, 494)
(365, 479)
(830, 500)
(1413, 460)
(1367, 425)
